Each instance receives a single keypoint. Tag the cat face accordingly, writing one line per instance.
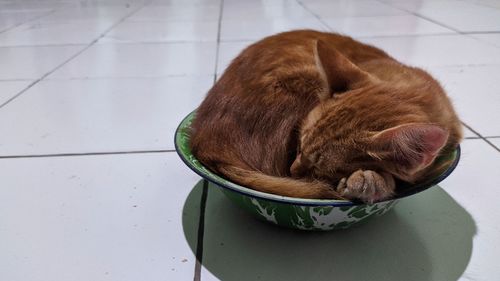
(361, 123)
(362, 130)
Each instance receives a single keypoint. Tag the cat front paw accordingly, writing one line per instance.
(367, 186)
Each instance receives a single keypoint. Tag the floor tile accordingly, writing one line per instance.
(33, 62)
(251, 11)
(228, 51)
(448, 232)
(29, 6)
(496, 142)
(487, 3)
(493, 39)
(228, 3)
(8, 89)
(472, 186)
(164, 31)
(426, 51)
(384, 26)
(346, 8)
(469, 134)
(178, 12)
(474, 91)
(460, 15)
(40, 33)
(109, 217)
(90, 13)
(120, 217)
(160, 3)
(99, 115)
(141, 60)
(238, 30)
(11, 19)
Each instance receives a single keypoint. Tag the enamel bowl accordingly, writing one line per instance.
(298, 213)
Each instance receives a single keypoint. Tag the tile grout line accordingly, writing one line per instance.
(203, 200)
(44, 45)
(123, 77)
(70, 58)
(486, 137)
(422, 17)
(481, 137)
(328, 28)
(29, 20)
(481, 32)
(217, 48)
(201, 232)
(86, 154)
(247, 39)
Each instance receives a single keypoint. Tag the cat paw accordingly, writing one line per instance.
(367, 186)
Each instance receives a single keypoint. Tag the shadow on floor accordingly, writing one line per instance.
(426, 237)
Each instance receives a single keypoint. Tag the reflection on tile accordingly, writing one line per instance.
(9, 19)
(469, 134)
(238, 30)
(79, 116)
(493, 39)
(460, 15)
(474, 91)
(164, 31)
(228, 51)
(39, 33)
(114, 217)
(384, 26)
(437, 50)
(346, 8)
(251, 11)
(141, 60)
(177, 12)
(8, 89)
(487, 3)
(472, 186)
(33, 62)
(95, 14)
(496, 142)
(28, 6)
(230, 3)
(171, 3)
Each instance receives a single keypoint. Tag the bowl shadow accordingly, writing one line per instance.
(427, 236)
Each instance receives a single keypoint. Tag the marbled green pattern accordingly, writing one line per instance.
(308, 217)
(305, 214)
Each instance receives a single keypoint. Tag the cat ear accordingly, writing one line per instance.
(337, 71)
(412, 146)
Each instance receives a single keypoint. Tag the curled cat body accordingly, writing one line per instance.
(319, 115)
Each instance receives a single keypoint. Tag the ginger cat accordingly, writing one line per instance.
(318, 115)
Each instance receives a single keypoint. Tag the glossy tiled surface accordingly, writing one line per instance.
(444, 233)
(8, 89)
(115, 217)
(91, 93)
(99, 115)
(32, 62)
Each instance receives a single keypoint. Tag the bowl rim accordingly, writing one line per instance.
(227, 184)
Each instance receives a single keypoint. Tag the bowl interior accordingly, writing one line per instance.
(182, 137)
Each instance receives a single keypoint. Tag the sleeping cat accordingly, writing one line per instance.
(318, 115)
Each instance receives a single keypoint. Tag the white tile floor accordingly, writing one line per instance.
(90, 95)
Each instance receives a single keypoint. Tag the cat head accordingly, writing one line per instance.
(364, 126)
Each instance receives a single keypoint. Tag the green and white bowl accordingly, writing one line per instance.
(298, 213)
